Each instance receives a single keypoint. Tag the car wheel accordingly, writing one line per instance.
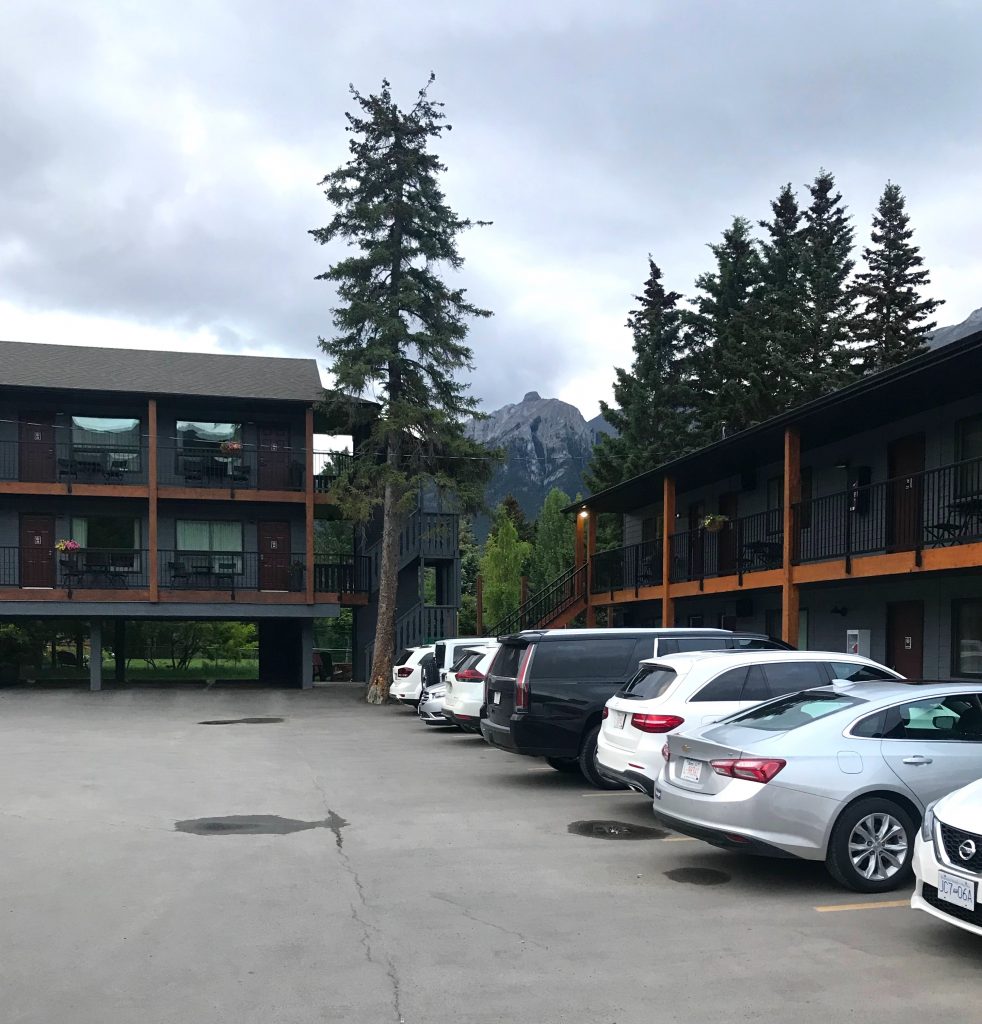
(589, 765)
(563, 764)
(871, 846)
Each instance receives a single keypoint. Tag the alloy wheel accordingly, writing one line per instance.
(878, 846)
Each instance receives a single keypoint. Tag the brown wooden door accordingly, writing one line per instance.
(727, 536)
(274, 458)
(905, 464)
(274, 556)
(37, 551)
(905, 638)
(37, 448)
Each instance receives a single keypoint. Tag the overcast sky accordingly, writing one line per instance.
(159, 161)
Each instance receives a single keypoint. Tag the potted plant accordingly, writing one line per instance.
(714, 522)
(67, 547)
(230, 447)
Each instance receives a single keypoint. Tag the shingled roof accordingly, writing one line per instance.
(140, 371)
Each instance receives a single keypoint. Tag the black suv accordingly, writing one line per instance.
(546, 690)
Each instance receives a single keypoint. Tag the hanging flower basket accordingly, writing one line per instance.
(67, 546)
(714, 523)
(230, 447)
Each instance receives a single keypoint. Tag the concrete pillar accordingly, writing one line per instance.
(307, 654)
(95, 655)
(119, 650)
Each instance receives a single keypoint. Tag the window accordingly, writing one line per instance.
(208, 437)
(957, 717)
(966, 651)
(699, 643)
(506, 661)
(404, 657)
(855, 673)
(651, 681)
(794, 676)
(208, 536)
(728, 686)
(793, 712)
(756, 688)
(695, 621)
(572, 660)
(969, 447)
(104, 433)
(107, 540)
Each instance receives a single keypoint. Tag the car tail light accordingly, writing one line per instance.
(404, 672)
(522, 681)
(470, 675)
(606, 711)
(753, 769)
(665, 753)
(656, 723)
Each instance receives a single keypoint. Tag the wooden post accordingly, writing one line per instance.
(479, 600)
(668, 526)
(308, 479)
(153, 554)
(792, 494)
(581, 542)
(591, 550)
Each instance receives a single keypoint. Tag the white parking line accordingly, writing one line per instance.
(881, 905)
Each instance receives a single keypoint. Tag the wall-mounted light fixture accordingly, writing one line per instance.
(584, 514)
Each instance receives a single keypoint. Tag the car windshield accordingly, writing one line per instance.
(794, 711)
(650, 681)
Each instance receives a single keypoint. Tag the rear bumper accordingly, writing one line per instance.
(509, 737)
(464, 721)
(724, 840)
(637, 781)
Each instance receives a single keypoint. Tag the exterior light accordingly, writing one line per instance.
(584, 514)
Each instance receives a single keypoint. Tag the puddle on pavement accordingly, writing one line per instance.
(697, 876)
(259, 825)
(613, 830)
(242, 721)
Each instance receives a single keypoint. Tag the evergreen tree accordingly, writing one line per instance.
(501, 568)
(827, 264)
(730, 375)
(894, 318)
(400, 331)
(515, 512)
(470, 569)
(555, 541)
(651, 415)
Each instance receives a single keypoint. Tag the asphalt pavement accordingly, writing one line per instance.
(331, 861)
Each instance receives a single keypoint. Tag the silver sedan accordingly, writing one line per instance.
(841, 774)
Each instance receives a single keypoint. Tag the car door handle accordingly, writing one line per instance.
(918, 759)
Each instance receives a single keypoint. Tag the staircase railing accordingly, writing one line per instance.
(554, 599)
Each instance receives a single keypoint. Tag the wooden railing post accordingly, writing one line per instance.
(668, 521)
(792, 495)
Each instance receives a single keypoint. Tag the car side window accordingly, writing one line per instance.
(728, 686)
(956, 717)
(703, 643)
(597, 658)
(664, 645)
(792, 676)
(857, 673)
(756, 688)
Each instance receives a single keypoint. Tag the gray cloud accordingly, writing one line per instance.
(158, 163)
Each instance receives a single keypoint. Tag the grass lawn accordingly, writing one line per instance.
(137, 670)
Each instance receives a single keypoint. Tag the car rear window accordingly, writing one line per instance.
(794, 711)
(593, 658)
(650, 681)
(466, 659)
(858, 673)
(405, 656)
(506, 662)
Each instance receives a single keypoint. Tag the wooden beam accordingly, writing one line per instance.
(591, 550)
(79, 490)
(152, 526)
(170, 493)
(308, 477)
(792, 494)
(668, 528)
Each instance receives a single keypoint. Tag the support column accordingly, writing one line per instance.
(153, 555)
(591, 550)
(307, 654)
(668, 527)
(792, 494)
(308, 479)
(119, 650)
(95, 655)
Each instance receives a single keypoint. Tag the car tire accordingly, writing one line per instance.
(563, 764)
(868, 838)
(588, 762)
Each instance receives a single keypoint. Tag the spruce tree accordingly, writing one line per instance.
(728, 357)
(651, 414)
(893, 317)
(830, 303)
(400, 331)
(513, 509)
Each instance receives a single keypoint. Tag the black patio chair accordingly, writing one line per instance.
(179, 572)
(193, 468)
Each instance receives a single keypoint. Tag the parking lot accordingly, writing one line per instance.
(345, 863)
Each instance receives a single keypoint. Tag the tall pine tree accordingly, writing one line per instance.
(651, 414)
(400, 331)
(830, 304)
(728, 357)
(893, 317)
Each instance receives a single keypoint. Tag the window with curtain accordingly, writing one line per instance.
(107, 540)
(221, 540)
(207, 437)
(105, 433)
(969, 447)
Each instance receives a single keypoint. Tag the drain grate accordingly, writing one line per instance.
(613, 830)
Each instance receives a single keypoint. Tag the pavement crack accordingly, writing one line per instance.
(490, 924)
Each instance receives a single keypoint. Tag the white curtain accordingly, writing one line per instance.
(80, 532)
(103, 432)
(192, 536)
(226, 536)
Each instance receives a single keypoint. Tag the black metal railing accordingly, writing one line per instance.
(935, 508)
(730, 547)
(342, 575)
(62, 461)
(232, 570)
(628, 568)
(82, 569)
(559, 596)
(328, 466)
(268, 469)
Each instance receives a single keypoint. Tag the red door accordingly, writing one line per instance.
(905, 466)
(905, 638)
(37, 551)
(37, 448)
(274, 458)
(274, 556)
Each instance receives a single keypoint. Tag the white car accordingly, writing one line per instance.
(464, 696)
(407, 675)
(948, 859)
(700, 688)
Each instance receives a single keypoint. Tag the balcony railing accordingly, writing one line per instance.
(935, 508)
(328, 466)
(281, 469)
(342, 575)
(232, 571)
(627, 568)
(61, 461)
(425, 623)
(84, 569)
(745, 544)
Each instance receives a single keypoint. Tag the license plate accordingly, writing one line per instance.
(497, 696)
(691, 770)
(957, 890)
(620, 717)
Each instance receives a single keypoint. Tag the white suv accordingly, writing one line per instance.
(465, 686)
(407, 675)
(701, 688)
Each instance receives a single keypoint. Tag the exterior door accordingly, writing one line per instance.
(274, 458)
(37, 551)
(274, 556)
(37, 448)
(728, 534)
(905, 638)
(905, 464)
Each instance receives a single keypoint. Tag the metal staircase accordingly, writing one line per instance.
(554, 606)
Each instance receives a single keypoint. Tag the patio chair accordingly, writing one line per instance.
(66, 468)
(241, 473)
(193, 468)
(71, 572)
(179, 572)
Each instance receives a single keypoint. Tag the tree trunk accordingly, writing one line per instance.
(388, 581)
